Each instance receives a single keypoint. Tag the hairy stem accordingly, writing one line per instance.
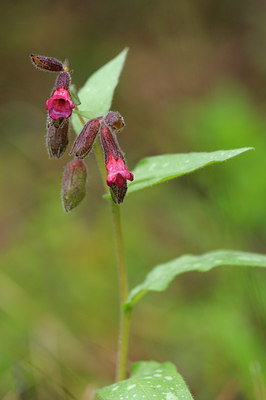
(120, 252)
(123, 344)
(121, 366)
(125, 317)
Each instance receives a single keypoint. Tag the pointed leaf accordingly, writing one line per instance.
(153, 170)
(149, 380)
(97, 94)
(162, 275)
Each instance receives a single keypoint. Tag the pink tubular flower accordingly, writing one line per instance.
(60, 104)
(117, 172)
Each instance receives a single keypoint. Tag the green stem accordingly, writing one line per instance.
(120, 252)
(125, 317)
(121, 366)
(123, 344)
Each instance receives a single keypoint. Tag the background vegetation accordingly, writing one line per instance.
(194, 81)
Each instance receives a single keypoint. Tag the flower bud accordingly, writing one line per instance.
(85, 139)
(57, 137)
(74, 184)
(63, 81)
(109, 143)
(46, 63)
(114, 121)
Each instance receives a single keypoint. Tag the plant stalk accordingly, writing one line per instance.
(125, 317)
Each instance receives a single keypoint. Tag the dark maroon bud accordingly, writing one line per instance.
(46, 63)
(74, 184)
(115, 121)
(63, 81)
(57, 137)
(109, 143)
(118, 193)
(85, 139)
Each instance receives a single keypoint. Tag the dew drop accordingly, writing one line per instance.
(131, 386)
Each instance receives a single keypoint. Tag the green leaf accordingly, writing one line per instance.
(149, 380)
(153, 170)
(162, 275)
(97, 94)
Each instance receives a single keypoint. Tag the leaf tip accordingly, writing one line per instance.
(125, 50)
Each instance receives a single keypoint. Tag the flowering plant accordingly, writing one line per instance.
(96, 125)
(60, 107)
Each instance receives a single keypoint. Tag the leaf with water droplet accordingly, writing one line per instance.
(162, 275)
(148, 380)
(153, 170)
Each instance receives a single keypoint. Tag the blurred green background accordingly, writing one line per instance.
(194, 80)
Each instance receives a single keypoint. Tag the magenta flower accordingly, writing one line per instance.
(117, 172)
(60, 104)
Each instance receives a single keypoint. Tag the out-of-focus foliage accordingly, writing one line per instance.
(194, 80)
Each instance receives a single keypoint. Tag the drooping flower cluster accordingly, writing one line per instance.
(60, 106)
(117, 173)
